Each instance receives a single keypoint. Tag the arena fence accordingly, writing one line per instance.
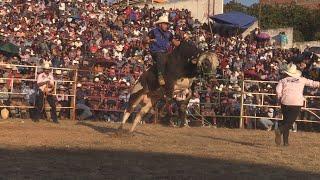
(63, 77)
(262, 95)
(228, 100)
(310, 113)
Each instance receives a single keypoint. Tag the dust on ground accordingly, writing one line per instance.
(97, 150)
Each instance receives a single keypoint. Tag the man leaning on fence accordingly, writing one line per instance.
(45, 82)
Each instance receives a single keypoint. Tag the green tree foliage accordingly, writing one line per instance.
(297, 36)
(317, 36)
(305, 22)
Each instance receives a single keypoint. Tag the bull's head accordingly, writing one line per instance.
(207, 62)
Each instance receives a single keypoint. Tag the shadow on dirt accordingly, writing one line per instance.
(234, 141)
(107, 164)
(112, 132)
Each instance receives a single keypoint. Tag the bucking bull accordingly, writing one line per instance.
(182, 67)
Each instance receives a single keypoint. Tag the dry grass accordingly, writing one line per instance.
(93, 150)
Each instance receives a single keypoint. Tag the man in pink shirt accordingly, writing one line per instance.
(290, 94)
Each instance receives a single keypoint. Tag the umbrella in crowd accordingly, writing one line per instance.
(9, 48)
(315, 50)
(263, 36)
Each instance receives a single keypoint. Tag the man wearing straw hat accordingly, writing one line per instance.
(290, 94)
(160, 42)
(45, 82)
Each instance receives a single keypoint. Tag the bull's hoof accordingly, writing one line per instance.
(171, 124)
(184, 126)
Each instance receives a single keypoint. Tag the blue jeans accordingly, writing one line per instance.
(266, 123)
(85, 111)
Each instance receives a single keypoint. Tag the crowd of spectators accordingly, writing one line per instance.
(106, 44)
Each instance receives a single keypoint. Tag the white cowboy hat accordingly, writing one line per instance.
(8, 66)
(46, 66)
(58, 72)
(2, 81)
(292, 70)
(4, 113)
(163, 19)
(79, 85)
(62, 88)
(119, 47)
(14, 68)
(249, 95)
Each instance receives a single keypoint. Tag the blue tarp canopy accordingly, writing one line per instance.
(234, 19)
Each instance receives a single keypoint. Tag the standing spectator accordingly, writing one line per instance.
(45, 82)
(283, 39)
(180, 98)
(290, 93)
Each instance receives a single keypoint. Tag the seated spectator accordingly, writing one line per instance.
(266, 123)
(81, 103)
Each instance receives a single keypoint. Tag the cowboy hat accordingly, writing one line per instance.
(4, 113)
(163, 19)
(119, 47)
(2, 81)
(8, 66)
(62, 88)
(249, 95)
(14, 68)
(46, 66)
(79, 85)
(58, 72)
(292, 70)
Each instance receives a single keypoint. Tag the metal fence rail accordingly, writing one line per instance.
(216, 94)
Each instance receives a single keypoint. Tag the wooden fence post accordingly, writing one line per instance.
(241, 125)
(74, 100)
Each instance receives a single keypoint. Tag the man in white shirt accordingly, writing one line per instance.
(181, 97)
(45, 82)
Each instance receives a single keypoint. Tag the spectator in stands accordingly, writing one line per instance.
(283, 39)
(62, 101)
(4, 98)
(30, 97)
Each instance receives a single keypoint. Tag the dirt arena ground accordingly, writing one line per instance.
(91, 150)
